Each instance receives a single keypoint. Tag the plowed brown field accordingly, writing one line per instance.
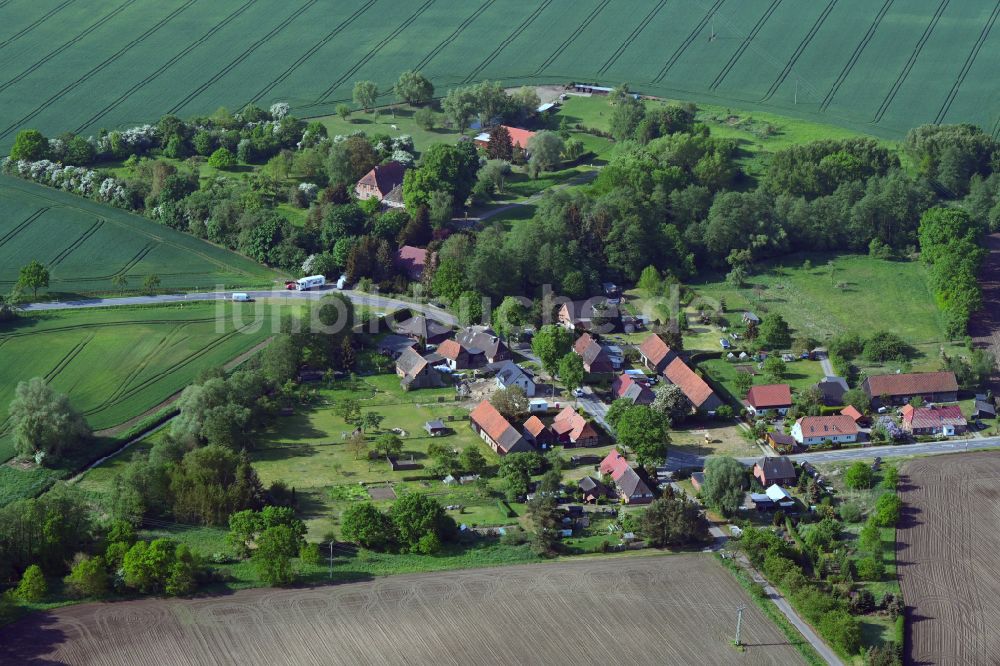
(648, 610)
(948, 552)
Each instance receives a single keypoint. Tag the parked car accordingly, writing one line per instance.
(725, 343)
(578, 392)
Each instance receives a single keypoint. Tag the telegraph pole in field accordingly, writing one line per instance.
(331, 562)
(739, 623)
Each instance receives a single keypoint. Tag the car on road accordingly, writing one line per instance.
(578, 392)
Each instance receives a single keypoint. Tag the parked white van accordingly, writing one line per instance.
(240, 297)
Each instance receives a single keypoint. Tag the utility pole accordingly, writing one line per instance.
(331, 564)
(712, 36)
(796, 91)
(739, 623)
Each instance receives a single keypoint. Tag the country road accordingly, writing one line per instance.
(356, 297)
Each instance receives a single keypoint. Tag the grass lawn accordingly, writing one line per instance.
(808, 297)
(800, 375)
(724, 439)
(383, 123)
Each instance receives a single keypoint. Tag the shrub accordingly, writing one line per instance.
(32, 587)
(858, 476)
(221, 159)
(850, 512)
(870, 568)
(887, 510)
(309, 553)
(88, 578)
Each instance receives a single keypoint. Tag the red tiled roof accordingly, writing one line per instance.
(490, 420)
(569, 421)
(770, 396)
(853, 412)
(450, 349)
(934, 417)
(827, 426)
(411, 260)
(914, 383)
(384, 177)
(519, 137)
(614, 464)
(654, 349)
(534, 426)
(693, 386)
(582, 343)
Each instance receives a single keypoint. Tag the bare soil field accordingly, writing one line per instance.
(678, 609)
(947, 556)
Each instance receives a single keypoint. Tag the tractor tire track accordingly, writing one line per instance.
(908, 67)
(67, 359)
(572, 38)
(114, 324)
(450, 38)
(75, 245)
(803, 45)
(632, 36)
(65, 45)
(164, 67)
(855, 56)
(313, 50)
(146, 249)
(507, 41)
(23, 225)
(953, 93)
(744, 45)
(688, 41)
(41, 19)
(21, 122)
(241, 57)
(373, 52)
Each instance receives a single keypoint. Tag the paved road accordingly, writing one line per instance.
(356, 297)
(590, 403)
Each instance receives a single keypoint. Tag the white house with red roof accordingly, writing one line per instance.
(836, 428)
(775, 398)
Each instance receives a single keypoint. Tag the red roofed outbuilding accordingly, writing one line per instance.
(656, 354)
(571, 429)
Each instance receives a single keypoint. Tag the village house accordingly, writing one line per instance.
(484, 339)
(775, 470)
(901, 388)
(938, 420)
(813, 430)
(636, 391)
(380, 182)
(422, 329)
(595, 358)
(411, 260)
(456, 356)
(519, 138)
(698, 392)
(415, 372)
(571, 429)
(511, 374)
(593, 314)
(781, 442)
(832, 390)
(593, 490)
(497, 431)
(768, 399)
(655, 353)
(632, 487)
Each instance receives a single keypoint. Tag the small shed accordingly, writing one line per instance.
(984, 410)
(436, 428)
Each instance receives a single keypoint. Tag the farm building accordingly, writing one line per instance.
(456, 356)
(536, 432)
(813, 430)
(697, 390)
(415, 372)
(775, 470)
(938, 420)
(588, 89)
(769, 398)
(655, 353)
(897, 389)
(411, 261)
(595, 358)
(774, 497)
(484, 339)
(853, 412)
(511, 374)
(497, 431)
(392, 345)
(519, 138)
(380, 181)
(630, 388)
(571, 429)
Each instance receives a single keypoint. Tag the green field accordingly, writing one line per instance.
(85, 245)
(116, 364)
(882, 67)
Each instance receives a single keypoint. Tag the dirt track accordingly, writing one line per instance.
(948, 549)
(647, 610)
(984, 327)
